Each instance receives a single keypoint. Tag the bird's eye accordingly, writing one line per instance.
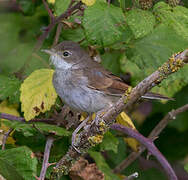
(66, 53)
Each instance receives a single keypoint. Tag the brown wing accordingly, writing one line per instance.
(103, 80)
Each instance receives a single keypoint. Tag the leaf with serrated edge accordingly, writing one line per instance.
(37, 93)
(103, 24)
(18, 163)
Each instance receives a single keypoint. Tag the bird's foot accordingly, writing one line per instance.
(75, 133)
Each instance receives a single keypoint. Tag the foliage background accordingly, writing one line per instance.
(132, 43)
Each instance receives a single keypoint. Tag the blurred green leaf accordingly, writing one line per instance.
(103, 166)
(18, 163)
(28, 7)
(103, 24)
(9, 87)
(19, 34)
(140, 22)
(61, 6)
(109, 142)
(153, 50)
(186, 167)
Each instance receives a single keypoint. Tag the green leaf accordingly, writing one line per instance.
(153, 50)
(176, 17)
(110, 61)
(18, 164)
(9, 87)
(186, 167)
(103, 24)
(28, 7)
(75, 35)
(110, 142)
(103, 166)
(53, 129)
(29, 130)
(140, 22)
(61, 6)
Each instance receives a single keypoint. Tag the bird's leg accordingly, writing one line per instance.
(74, 134)
(100, 114)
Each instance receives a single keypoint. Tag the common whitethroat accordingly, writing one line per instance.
(84, 84)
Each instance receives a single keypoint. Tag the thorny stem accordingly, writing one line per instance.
(150, 146)
(154, 133)
(45, 163)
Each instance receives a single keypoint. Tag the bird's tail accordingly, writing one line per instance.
(150, 95)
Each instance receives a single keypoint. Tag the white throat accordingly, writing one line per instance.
(59, 62)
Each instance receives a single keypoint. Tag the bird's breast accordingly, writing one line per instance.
(75, 93)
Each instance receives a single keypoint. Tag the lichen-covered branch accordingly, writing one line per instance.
(93, 133)
(148, 143)
(154, 133)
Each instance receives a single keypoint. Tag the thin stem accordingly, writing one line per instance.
(66, 14)
(21, 119)
(5, 138)
(52, 18)
(45, 163)
(150, 146)
(154, 133)
(58, 32)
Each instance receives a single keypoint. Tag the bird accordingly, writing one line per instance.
(84, 84)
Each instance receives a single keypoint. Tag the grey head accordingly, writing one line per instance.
(67, 54)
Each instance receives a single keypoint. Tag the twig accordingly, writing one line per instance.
(21, 119)
(148, 143)
(58, 32)
(93, 134)
(154, 133)
(66, 14)
(45, 163)
(5, 138)
(52, 17)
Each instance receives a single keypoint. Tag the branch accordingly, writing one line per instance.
(93, 134)
(154, 133)
(150, 146)
(5, 138)
(45, 163)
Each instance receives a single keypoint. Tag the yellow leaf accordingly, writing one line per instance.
(51, 1)
(37, 93)
(133, 143)
(9, 109)
(88, 2)
(125, 120)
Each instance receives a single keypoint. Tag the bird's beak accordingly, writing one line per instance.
(48, 51)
